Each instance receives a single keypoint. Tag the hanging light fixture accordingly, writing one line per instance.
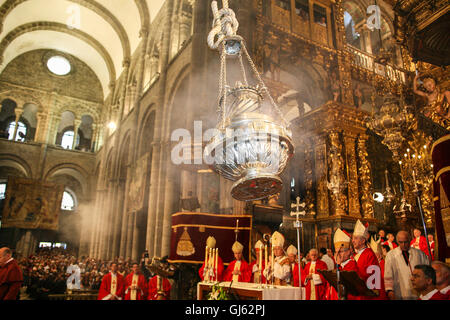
(250, 148)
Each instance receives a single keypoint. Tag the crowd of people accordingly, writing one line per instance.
(393, 267)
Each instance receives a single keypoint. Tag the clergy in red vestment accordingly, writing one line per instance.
(313, 280)
(390, 241)
(159, 288)
(442, 277)
(112, 286)
(368, 266)
(210, 273)
(11, 277)
(258, 265)
(238, 270)
(419, 242)
(293, 262)
(344, 261)
(423, 279)
(432, 245)
(135, 285)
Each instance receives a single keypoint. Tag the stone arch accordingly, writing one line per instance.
(73, 170)
(13, 161)
(143, 12)
(60, 27)
(146, 130)
(8, 6)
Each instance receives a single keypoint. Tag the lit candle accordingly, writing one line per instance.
(206, 257)
(158, 282)
(260, 257)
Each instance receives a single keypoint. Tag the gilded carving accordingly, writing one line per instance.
(365, 181)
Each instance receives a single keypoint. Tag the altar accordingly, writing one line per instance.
(253, 291)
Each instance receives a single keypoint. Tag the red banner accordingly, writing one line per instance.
(191, 229)
(440, 153)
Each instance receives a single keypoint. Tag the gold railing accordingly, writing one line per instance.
(367, 61)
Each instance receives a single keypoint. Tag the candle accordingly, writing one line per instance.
(265, 257)
(158, 282)
(206, 257)
(215, 267)
(272, 264)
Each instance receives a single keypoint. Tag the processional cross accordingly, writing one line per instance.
(298, 225)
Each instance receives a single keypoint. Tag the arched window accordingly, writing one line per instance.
(352, 36)
(68, 201)
(67, 140)
(2, 190)
(21, 131)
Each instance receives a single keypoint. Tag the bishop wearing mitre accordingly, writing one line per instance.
(293, 262)
(238, 270)
(258, 265)
(208, 271)
(344, 260)
(279, 268)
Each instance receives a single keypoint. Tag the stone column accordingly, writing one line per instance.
(18, 112)
(54, 128)
(40, 116)
(76, 125)
(130, 229)
(153, 195)
(94, 137)
(170, 199)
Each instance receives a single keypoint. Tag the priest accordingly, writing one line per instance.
(207, 271)
(112, 286)
(159, 288)
(313, 280)
(238, 270)
(344, 261)
(135, 285)
(278, 270)
(258, 265)
(368, 266)
(390, 241)
(419, 242)
(293, 262)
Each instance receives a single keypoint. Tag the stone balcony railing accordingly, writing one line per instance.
(367, 61)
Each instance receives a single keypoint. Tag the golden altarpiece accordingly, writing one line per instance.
(331, 92)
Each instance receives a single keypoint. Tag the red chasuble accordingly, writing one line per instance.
(11, 279)
(392, 245)
(220, 268)
(295, 281)
(140, 293)
(320, 289)
(153, 288)
(245, 270)
(107, 286)
(367, 264)
(422, 245)
(331, 293)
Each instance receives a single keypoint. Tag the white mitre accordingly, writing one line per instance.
(361, 230)
(291, 250)
(277, 239)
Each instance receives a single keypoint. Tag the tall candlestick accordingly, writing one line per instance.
(272, 265)
(206, 257)
(265, 257)
(215, 267)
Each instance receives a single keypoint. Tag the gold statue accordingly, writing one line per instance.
(437, 108)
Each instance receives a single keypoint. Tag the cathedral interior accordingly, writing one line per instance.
(90, 92)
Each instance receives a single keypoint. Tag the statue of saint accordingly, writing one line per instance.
(437, 108)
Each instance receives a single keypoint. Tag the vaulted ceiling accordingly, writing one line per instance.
(101, 33)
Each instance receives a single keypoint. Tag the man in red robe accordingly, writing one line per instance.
(419, 242)
(238, 270)
(344, 261)
(442, 277)
(255, 268)
(313, 280)
(112, 286)
(293, 262)
(423, 279)
(368, 266)
(209, 271)
(390, 241)
(135, 285)
(432, 245)
(159, 288)
(11, 277)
